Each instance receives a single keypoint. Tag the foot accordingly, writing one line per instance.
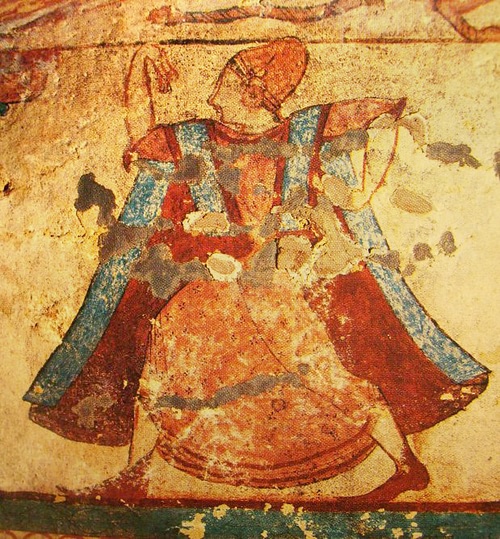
(413, 476)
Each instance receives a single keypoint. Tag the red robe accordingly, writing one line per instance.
(373, 345)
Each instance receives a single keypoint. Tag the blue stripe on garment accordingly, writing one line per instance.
(87, 329)
(436, 345)
(447, 355)
(104, 293)
(149, 190)
(303, 130)
(193, 139)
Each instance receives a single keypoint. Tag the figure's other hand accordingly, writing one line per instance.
(416, 125)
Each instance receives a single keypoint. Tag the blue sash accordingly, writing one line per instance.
(302, 134)
(110, 280)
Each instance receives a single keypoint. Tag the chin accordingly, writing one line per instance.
(218, 113)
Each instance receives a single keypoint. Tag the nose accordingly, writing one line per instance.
(213, 101)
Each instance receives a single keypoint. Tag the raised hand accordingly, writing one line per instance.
(150, 72)
(156, 61)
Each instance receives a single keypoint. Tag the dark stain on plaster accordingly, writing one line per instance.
(194, 270)
(409, 269)
(293, 252)
(163, 274)
(191, 169)
(270, 225)
(296, 204)
(262, 266)
(447, 243)
(91, 193)
(162, 223)
(120, 238)
(88, 408)
(229, 178)
(452, 153)
(295, 200)
(7, 189)
(261, 383)
(422, 251)
(407, 200)
(496, 164)
(236, 229)
(157, 268)
(390, 259)
(356, 139)
(266, 147)
(303, 368)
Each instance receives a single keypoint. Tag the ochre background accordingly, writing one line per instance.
(49, 253)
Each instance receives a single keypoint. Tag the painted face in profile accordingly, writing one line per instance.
(228, 99)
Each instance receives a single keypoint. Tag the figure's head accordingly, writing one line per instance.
(260, 78)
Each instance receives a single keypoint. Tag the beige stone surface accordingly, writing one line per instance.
(107, 23)
(49, 251)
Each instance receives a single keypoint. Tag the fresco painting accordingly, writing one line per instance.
(250, 268)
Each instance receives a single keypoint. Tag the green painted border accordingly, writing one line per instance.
(129, 521)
